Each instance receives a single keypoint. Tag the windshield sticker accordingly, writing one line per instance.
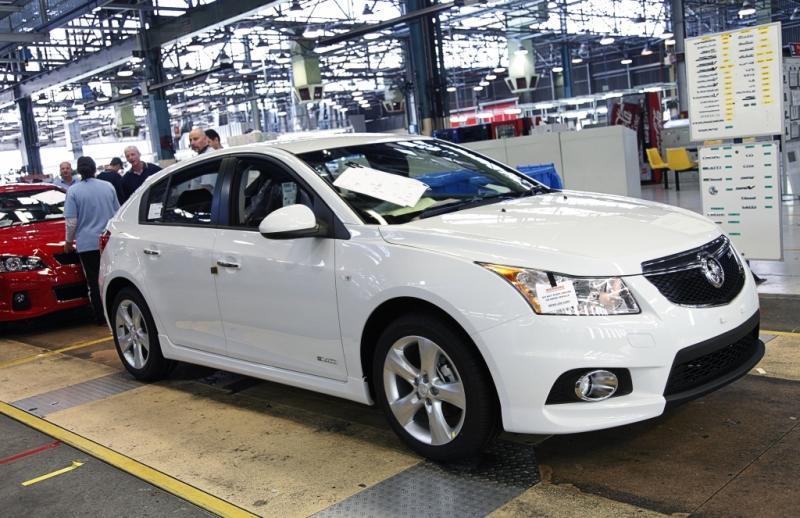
(289, 190)
(393, 188)
(154, 211)
(556, 298)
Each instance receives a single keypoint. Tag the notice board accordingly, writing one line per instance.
(735, 84)
(740, 189)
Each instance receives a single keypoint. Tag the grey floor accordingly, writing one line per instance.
(782, 277)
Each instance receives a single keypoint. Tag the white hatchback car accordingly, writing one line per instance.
(454, 292)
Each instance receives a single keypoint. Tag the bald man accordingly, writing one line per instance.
(65, 179)
(198, 140)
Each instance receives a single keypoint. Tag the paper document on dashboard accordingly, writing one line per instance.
(393, 188)
(553, 299)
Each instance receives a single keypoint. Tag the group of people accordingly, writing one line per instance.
(93, 201)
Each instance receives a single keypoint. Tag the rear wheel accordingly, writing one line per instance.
(136, 337)
(434, 389)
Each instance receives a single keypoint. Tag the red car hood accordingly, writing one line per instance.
(41, 239)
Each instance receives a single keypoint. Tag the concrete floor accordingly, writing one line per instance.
(279, 451)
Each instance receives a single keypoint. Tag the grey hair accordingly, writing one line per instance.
(131, 148)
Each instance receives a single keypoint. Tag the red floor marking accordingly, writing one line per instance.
(9, 460)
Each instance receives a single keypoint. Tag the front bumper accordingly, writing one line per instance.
(526, 357)
(45, 291)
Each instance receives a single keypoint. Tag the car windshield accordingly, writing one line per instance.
(31, 206)
(396, 182)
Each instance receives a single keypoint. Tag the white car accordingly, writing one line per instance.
(454, 292)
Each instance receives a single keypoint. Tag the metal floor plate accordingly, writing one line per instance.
(74, 395)
(428, 489)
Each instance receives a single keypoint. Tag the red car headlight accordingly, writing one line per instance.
(17, 263)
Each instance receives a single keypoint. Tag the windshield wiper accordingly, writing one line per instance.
(463, 204)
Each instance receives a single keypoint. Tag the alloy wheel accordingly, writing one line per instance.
(132, 335)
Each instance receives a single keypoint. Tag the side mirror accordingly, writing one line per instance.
(293, 221)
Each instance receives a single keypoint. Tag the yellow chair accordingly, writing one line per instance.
(678, 160)
(658, 164)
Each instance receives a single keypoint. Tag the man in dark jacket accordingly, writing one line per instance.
(138, 172)
(111, 175)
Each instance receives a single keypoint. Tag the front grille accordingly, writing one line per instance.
(681, 278)
(694, 368)
(71, 258)
(71, 292)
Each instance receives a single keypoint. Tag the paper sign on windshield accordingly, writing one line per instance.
(393, 188)
(556, 298)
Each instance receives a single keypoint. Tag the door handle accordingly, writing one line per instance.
(150, 251)
(227, 264)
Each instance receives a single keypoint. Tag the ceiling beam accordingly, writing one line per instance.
(6, 8)
(24, 37)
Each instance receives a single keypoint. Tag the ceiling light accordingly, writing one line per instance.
(795, 14)
(499, 70)
(491, 77)
(125, 72)
(245, 70)
(646, 50)
(125, 91)
(451, 89)
(484, 83)
(666, 35)
(42, 99)
(296, 6)
(195, 45)
(577, 60)
(223, 58)
(606, 40)
(281, 114)
(212, 80)
(558, 69)
(669, 42)
(372, 35)
(187, 70)
(748, 9)
(312, 33)
(477, 88)
(521, 51)
(626, 61)
(357, 94)
(103, 98)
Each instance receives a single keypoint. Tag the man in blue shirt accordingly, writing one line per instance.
(65, 179)
(138, 172)
(89, 205)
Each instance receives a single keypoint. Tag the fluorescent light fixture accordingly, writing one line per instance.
(499, 70)
(666, 35)
(491, 77)
(748, 9)
(451, 89)
(187, 70)
(357, 94)
(477, 88)
(558, 69)
(606, 40)
(646, 50)
(372, 35)
(312, 33)
(577, 60)
(669, 42)
(103, 98)
(125, 91)
(484, 83)
(626, 61)
(125, 72)
(212, 80)
(281, 114)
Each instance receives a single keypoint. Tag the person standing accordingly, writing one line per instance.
(89, 205)
(213, 139)
(111, 175)
(138, 172)
(198, 141)
(65, 179)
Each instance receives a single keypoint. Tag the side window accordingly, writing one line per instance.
(262, 188)
(185, 197)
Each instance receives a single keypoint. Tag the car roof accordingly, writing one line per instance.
(299, 143)
(19, 187)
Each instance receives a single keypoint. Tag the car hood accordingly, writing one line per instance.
(42, 238)
(567, 232)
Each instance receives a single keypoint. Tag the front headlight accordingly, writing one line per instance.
(16, 263)
(555, 294)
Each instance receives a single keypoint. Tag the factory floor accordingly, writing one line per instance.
(80, 437)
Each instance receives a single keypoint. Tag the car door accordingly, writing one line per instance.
(178, 231)
(277, 296)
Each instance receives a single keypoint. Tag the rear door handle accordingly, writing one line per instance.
(227, 264)
(150, 251)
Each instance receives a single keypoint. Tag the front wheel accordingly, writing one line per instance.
(136, 337)
(434, 388)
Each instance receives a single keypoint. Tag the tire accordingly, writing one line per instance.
(448, 414)
(139, 352)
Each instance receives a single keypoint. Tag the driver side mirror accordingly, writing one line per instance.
(291, 222)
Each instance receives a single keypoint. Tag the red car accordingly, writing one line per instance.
(36, 276)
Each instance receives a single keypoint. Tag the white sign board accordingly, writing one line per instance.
(735, 83)
(393, 188)
(740, 189)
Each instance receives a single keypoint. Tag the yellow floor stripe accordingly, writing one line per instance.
(75, 465)
(137, 469)
(39, 356)
(778, 333)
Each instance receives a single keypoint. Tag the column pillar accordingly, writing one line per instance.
(29, 145)
(427, 62)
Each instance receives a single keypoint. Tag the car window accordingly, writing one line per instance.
(261, 188)
(31, 206)
(186, 197)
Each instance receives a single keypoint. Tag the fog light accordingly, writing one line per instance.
(20, 301)
(596, 385)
